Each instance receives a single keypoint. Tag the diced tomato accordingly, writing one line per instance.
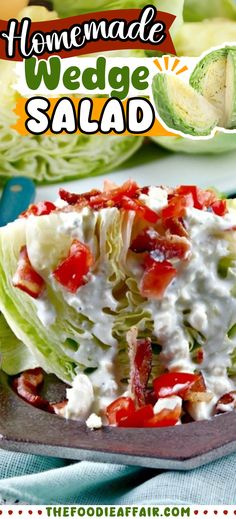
(115, 196)
(41, 209)
(140, 354)
(220, 207)
(156, 278)
(177, 207)
(26, 278)
(170, 384)
(72, 272)
(140, 209)
(165, 247)
(120, 409)
(201, 198)
(138, 418)
(166, 418)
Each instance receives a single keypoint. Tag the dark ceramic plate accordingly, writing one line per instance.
(26, 429)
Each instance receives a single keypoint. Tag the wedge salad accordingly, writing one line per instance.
(127, 295)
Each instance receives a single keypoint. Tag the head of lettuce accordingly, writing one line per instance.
(206, 25)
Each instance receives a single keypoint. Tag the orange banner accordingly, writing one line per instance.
(157, 128)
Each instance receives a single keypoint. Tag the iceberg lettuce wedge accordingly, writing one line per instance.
(83, 330)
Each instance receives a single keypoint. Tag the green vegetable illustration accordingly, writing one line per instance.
(181, 107)
(209, 79)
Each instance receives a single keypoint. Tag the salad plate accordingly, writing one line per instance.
(27, 429)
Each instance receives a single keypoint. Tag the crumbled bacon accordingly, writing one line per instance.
(156, 278)
(75, 198)
(27, 386)
(198, 391)
(26, 278)
(140, 355)
(176, 226)
(166, 247)
(226, 403)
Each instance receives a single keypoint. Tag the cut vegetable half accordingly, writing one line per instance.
(209, 79)
(230, 97)
(181, 107)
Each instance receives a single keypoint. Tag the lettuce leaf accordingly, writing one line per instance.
(14, 355)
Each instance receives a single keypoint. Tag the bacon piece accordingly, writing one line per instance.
(75, 198)
(164, 247)
(26, 278)
(114, 197)
(156, 278)
(98, 200)
(140, 355)
(226, 403)
(198, 391)
(176, 226)
(28, 385)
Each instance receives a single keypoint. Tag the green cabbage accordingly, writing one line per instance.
(181, 107)
(193, 38)
(209, 79)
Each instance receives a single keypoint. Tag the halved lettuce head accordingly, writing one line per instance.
(181, 107)
(230, 97)
(214, 77)
(54, 158)
(209, 79)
